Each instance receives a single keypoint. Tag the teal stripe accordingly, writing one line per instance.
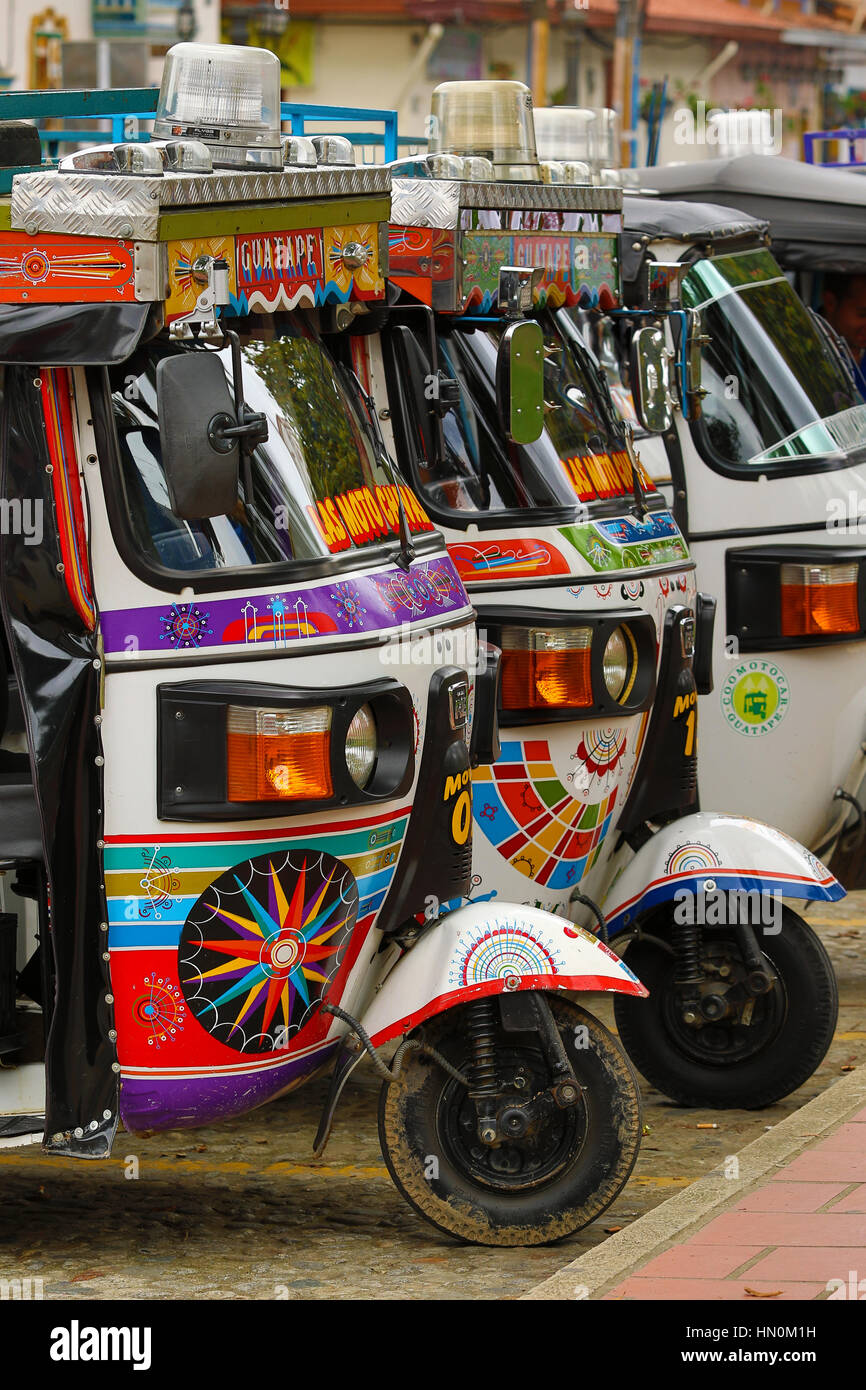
(129, 859)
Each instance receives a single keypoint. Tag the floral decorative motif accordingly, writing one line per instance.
(262, 945)
(161, 1009)
(184, 625)
(350, 610)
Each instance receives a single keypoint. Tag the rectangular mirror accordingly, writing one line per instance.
(650, 379)
(520, 381)
(195, 405)
(662, 285)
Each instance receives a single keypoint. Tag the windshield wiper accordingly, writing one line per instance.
(406, 553)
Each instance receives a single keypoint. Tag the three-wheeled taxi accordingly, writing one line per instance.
(761, 474)
(238, 793)
(757, 435)
(580, 574)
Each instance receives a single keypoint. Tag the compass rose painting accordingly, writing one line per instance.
(262, 944)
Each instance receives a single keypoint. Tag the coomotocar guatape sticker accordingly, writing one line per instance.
(755, 697)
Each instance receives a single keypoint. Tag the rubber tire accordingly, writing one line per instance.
(468, 1210)
(791, 1056)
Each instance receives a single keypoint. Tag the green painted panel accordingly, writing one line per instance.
(271, 217)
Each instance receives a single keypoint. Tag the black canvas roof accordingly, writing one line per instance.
(817, 216)
(687, 220)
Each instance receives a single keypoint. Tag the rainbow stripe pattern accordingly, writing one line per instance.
(523, 809)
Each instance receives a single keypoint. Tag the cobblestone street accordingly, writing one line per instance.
(243, 1211)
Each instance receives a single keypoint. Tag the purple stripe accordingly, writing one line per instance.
(189, 1102)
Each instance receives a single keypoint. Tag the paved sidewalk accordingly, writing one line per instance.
(784, 1219)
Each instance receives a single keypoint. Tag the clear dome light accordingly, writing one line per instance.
(226, 96)
(487, 120)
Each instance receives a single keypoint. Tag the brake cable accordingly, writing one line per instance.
(408, 1045)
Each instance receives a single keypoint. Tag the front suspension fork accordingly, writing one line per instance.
(515, 1120)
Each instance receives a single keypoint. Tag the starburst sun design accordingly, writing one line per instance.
(278, 958)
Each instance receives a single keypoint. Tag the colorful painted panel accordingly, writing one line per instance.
(367, 604)
(282, 270)
(579, 268)
(262, 945)
(66, 487)
(65, 269)
(626, 543)
(221, 946)
(511, 559)
(184, 287)
(535, 823)
(410, 261)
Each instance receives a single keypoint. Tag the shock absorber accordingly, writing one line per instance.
(483, 1080)
(688, 975)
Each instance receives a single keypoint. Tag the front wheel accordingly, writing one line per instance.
(540, 1187)
(764, 1046)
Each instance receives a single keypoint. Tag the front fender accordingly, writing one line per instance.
(732, 851)
(481, 949)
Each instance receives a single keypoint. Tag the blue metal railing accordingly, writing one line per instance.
(126, 107)
(847, 135)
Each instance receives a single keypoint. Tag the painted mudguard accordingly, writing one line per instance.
(707, 851)
(481, 950)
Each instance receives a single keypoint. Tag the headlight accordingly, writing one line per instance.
(615, 663)
(361, 746)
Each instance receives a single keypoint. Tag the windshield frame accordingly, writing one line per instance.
(281, 573)
(400, 390)
(793, 466)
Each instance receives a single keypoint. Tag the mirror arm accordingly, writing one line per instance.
(640, 505)
(407, 550)
(433, 407)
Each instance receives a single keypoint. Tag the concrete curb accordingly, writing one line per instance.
(599, 1270)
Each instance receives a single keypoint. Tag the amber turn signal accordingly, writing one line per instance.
(819, 600)
(279, 754)
(546, 669)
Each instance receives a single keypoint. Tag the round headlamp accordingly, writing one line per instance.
(616, 662)
(361, 746)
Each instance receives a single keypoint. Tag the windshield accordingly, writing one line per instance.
(776, 397)
(579, 459)
(319, 483)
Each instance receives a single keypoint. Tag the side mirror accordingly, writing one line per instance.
(695, 340)
(195, 408)
(520, 381)
(650, 380)
(661, 288)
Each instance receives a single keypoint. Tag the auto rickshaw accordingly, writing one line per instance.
(581, 575)
(757, 437)
(229, 808)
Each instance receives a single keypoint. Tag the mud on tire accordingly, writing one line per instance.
(426, 1132)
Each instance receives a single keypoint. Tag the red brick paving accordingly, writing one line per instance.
(792, 1196)
(804, 1224)
(714, 1290)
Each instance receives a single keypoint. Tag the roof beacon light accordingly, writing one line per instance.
(490, 119)
(226, 96)
(567, 133)
(446, 166)
(186, 157)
